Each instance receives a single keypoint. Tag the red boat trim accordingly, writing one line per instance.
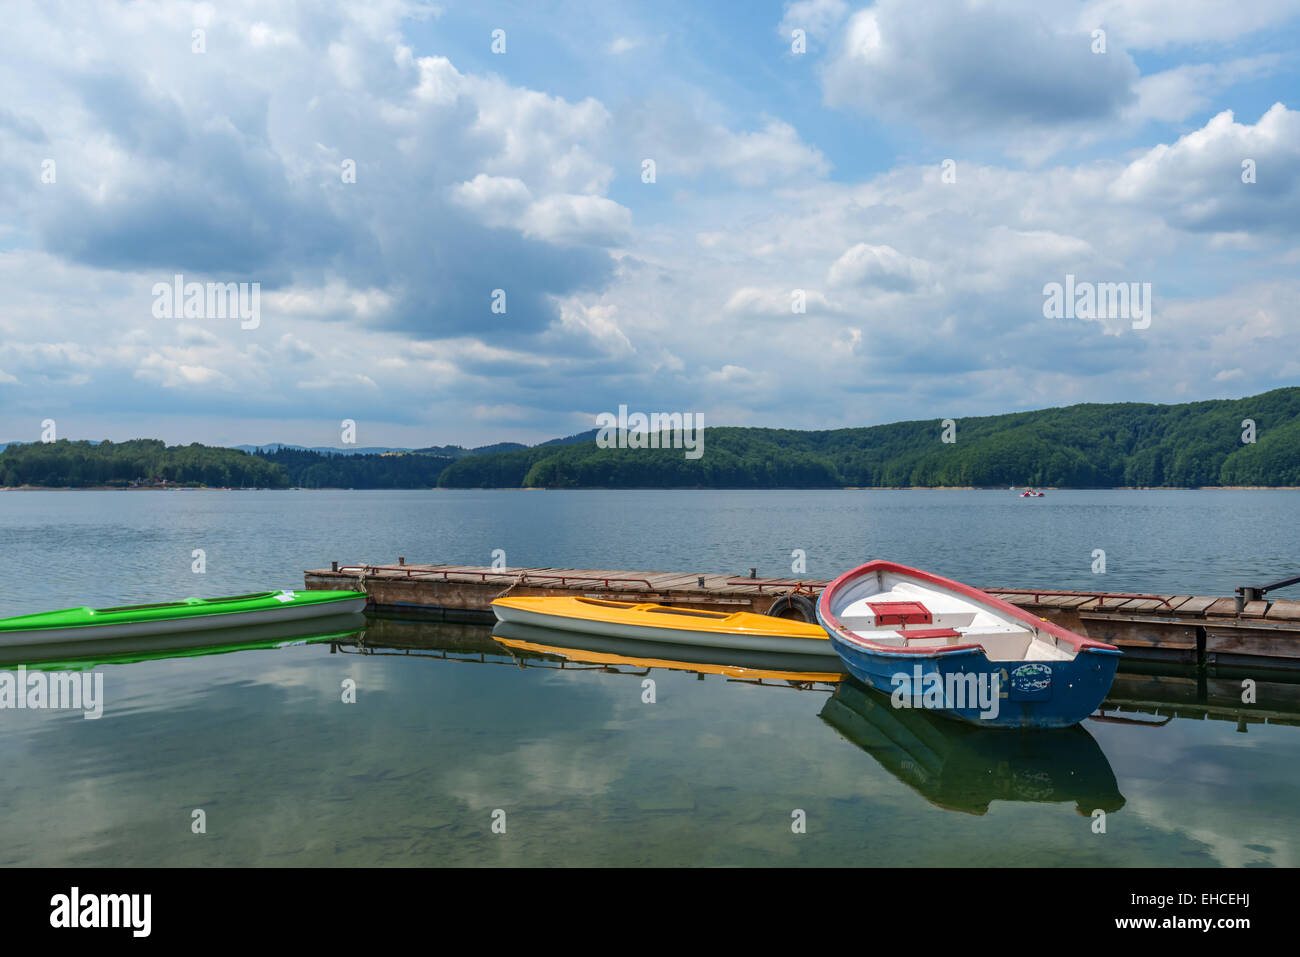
(834, 625)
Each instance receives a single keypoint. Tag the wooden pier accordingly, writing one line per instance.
(1185, 629)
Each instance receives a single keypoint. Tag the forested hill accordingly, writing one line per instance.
(150, 463)
(140, 462)
(306, 468)
(1080, 446)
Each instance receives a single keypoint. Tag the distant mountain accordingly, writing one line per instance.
(459, 451)
(440, 451)
(308, 468)
(323, 449)
(588, 436)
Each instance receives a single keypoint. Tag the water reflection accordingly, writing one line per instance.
(1243, 697)
(953, 766)
(960, 767)
(80, 655)
(533, 646)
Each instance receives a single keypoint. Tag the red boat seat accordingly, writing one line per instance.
(900, 612)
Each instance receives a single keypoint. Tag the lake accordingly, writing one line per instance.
(450, 733)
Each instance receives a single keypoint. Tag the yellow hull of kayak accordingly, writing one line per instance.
(650, 622)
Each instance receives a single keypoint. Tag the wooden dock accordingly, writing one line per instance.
(1186, 629)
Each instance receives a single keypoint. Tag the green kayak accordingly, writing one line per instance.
(191, 614)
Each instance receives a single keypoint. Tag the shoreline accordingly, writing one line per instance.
(656, 488)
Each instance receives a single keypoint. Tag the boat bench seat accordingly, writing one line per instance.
(1021, 646)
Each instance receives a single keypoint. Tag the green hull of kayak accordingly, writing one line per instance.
(268, 605)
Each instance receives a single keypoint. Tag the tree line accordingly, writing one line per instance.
(150, 463)
(1251, 441)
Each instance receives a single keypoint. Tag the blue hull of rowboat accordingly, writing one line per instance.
(1037, 694)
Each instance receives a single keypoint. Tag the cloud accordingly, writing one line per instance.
(775, 302)
(1156, 24)
(684, 144)
(1177, 93)
(817, 18)
(507, 203)
(879, 267)
(624, 44)
(1197, 182)
(193, 165)
(975, 68)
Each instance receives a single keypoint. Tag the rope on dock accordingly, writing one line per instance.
(519, 580)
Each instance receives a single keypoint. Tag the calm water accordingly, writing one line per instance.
(585, 771)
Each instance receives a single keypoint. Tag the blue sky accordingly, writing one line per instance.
(128, 157)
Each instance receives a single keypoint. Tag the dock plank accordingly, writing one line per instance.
(1196, 606)
(1222, 608)
(1145, 605)
(682, 583)
(1284, 609)
(1254, 609)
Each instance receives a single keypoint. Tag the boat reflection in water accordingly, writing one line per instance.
(75, 655)
(961, 767)
(530, 644)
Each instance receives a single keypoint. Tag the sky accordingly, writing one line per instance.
(483, 222)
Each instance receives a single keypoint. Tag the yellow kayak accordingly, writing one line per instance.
(650, 622)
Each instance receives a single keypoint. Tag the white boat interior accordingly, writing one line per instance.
(898, 612)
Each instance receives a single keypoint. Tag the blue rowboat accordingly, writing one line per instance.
(933, 643)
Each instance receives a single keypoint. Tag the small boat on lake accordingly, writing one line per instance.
(664, 623)
(934, 643)
(190, 614)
